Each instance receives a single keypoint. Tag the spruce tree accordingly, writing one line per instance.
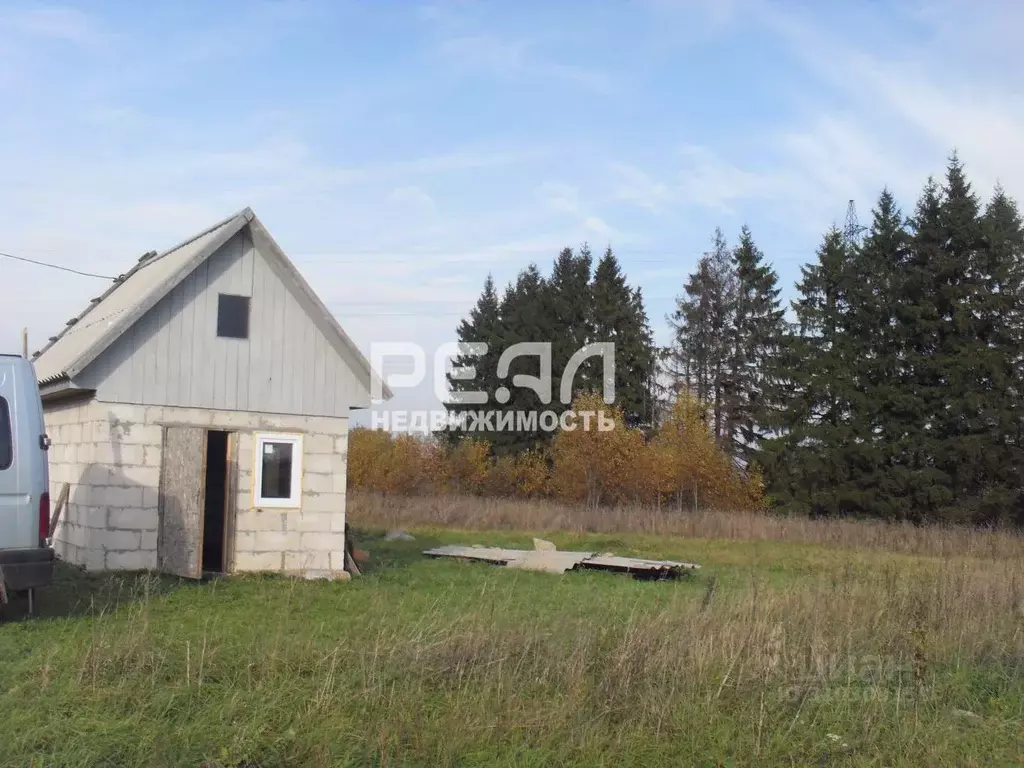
(1000, 318)
(921, 326)
(758, 329)
(806, 460)
(960, 424)
(569, 302)
(525, 317)
(482, 325)
(617, 315)
(703, 323)
(873, 295)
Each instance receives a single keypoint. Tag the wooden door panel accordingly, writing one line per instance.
(182, 481)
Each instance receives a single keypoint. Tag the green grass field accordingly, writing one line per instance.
(777, 653)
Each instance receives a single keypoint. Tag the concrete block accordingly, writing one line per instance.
(94, 518)
(319, 463)
(135, 455)
(135, 560)
(339, 464)
(142, 433)
(337, 559)
(153, 414)
(104, 453)
(245, 462)
(121, 540)
(312, 542)
(341, 445)
(307, 521)
(145, 476)
(133, 519)
(258, 561)
(150, 540)
(323, 502)
(276, 541)
(338, 521)
(151, 498)
(232, 419)
(150, 456)
(128, 498)
(95, 476)
(317, 483)
(327, 425)
(245, 541)
(199, 417)
(339, 482)
(318, 444)
(94, 560)
(301, 561)
(259, 520)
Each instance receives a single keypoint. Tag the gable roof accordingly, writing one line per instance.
(134, 293)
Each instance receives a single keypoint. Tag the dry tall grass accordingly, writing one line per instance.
(371, 510)
(886, 660)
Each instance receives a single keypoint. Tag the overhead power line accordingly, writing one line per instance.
(55, 266)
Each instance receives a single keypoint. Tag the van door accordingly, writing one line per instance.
(18, 524)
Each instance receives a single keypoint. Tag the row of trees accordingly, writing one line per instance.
(890, 387)
(729, 329)
(578, 304)
(678, 465)
(896, 389)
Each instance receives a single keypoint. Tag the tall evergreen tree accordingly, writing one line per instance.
(758, 330)
(525, 317)
(925, 485)
(702, 324)
(569, 302)
(806, 460)
(960, 423)
(1000, 318)
(873, 295)
(617, 315)
(482, 326)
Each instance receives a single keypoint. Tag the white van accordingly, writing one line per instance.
(26, 561)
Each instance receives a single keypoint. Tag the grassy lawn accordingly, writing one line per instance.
(776, 653)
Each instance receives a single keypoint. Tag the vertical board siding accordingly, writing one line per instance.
(172, 355)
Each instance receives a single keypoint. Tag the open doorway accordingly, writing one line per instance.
(215, 503)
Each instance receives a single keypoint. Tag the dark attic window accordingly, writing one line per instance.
(232, 316)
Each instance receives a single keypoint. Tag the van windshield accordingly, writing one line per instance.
(6, 439)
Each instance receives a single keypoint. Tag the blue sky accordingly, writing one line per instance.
(399, 151)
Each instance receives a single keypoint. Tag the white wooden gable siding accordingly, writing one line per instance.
(173, 356)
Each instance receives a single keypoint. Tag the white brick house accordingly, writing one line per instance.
(199, 411)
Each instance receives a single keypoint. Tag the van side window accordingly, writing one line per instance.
(6, 438)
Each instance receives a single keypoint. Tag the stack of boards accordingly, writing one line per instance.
(545, 557)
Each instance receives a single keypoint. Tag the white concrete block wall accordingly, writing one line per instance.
(107, 455)
(308, 540)
(111, 455)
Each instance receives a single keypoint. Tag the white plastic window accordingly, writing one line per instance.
(278, 470)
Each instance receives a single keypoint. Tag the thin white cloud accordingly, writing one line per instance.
(52, 23)
(416, 197)
(565, 198)
(517, 59)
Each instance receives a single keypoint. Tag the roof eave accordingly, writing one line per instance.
(231, 226)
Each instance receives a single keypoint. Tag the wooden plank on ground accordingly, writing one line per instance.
(62, 501)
